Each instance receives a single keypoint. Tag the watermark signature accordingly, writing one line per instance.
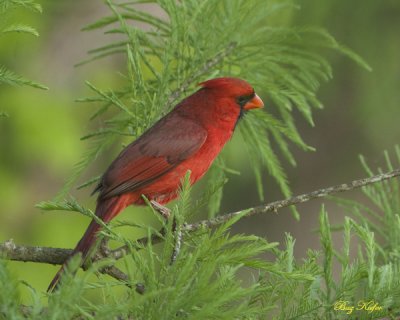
(347, 307)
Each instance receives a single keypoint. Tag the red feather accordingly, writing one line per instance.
(188, 138)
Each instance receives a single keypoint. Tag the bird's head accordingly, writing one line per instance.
(237, 89)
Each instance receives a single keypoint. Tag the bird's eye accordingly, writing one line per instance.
(244, 99)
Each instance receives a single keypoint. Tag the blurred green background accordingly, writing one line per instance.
(40, 141)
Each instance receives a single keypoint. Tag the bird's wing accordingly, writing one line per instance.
(169, 142)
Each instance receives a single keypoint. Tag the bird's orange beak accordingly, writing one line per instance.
(254, 103)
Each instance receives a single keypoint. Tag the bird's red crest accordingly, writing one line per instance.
(234, 85)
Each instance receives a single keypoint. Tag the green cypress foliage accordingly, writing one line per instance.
(7, 25)
(195, 40)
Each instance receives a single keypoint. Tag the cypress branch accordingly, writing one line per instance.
(60, 255)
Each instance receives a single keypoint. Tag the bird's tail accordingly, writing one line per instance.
(106, 210)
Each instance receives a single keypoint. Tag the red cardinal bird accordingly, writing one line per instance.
(188, 138)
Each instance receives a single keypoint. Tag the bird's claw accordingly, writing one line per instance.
(164, 211)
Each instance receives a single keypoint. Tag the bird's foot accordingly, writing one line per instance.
(164, 211)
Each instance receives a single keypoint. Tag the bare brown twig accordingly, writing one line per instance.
(58, 256)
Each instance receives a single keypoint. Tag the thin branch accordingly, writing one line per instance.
(58, 256)
(118, 274)
(270, 207)
(178, 244)
(15, 252)
(114, 272)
